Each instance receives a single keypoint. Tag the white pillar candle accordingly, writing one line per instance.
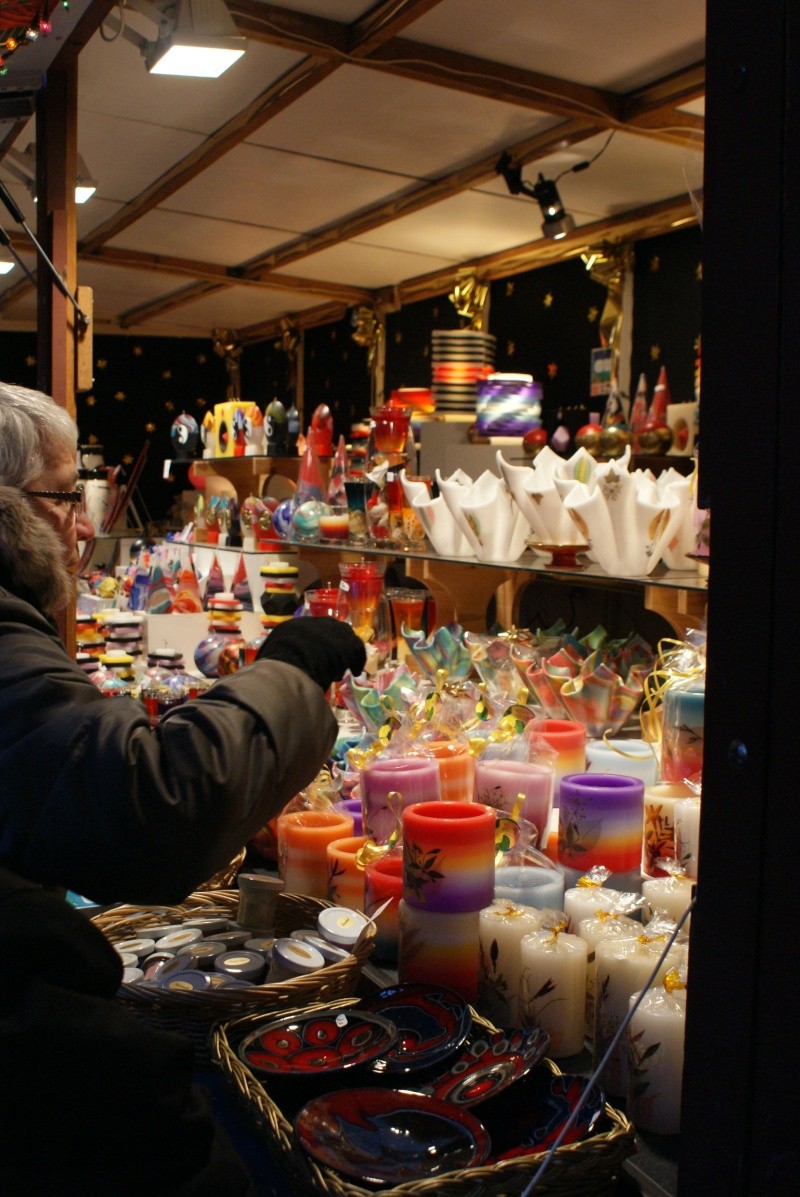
(628, 758)
(671, 895)
(622, 968)
(583, 902)
(687, 835)
(659, 825)
(554, 988)
(502, 928)
(602, 925)
(655, 1060)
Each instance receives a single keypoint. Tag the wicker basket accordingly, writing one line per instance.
(195, 1013)
(225, 878)
(589, 1168)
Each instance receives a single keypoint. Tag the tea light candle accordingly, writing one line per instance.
(656, 1036)
(626, 758)
(517, 786)
(448, 856)
(530, 885)
(554, 988)
(622, 966)
(600, 823)
(414, 779)
(456, 769)
(383, 880)
(345, 878)
(659, 824)
(687, 835)
(434, 946)
(682, 731)
(303, 838)
(568, 739)
(503, 926)
(670, 895)
(602, 925)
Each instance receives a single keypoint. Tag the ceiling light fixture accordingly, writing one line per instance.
(556, 221)
(196, 38)
(22, 165)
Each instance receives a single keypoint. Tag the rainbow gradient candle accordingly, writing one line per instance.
(601, 822)
(568, 740)
(448, 856)
(503, 783)
(439, 949)
(389, 786)
(682, 732)
(345, 878)
(303, 838)
(383, 880)
(456, 769)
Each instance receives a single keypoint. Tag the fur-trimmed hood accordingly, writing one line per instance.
(31, 555)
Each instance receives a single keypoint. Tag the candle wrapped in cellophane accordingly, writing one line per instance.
(673, 711)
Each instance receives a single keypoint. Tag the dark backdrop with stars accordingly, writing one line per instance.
(545, 321)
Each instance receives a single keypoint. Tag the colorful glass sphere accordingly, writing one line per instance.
(185, 435)
(282, 519)
(305, 520)
(207, 652)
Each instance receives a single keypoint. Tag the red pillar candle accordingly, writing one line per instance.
(448, 856)
(383, 880)
(303, 838)
(345, 878)
(440, 949)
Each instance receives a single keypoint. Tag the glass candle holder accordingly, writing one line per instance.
(390, 428)
(356, 491)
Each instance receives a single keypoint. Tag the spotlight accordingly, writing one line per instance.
(22, 165)
(556, 222)
(197, 38)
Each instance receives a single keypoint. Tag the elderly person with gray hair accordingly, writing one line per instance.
(94, 800)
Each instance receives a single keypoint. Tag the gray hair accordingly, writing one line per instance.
(33, 429)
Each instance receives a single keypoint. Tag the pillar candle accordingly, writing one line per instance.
(303, 838)
(659, 824)
(655, 1060)
(627, 758)
(682, 731)
(438, 949)
(345, 878)
(601, 925)
(352, 807)
(415, 779)
(622, 966)
(554, 988)
(687, 835)
(530, 885)
(448, 856)
(384, 879)
(456, 769)
(503, 926)
(500, 782)
(600, 822)
(584, 900)
(569, 741)
(671, 895)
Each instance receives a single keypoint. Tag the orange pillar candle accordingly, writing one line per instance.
(345, 878)
(448, 856)
(303, 838)
(456, 769)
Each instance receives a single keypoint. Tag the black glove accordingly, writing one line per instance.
(323, 647)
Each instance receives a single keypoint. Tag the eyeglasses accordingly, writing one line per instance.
(75, 498)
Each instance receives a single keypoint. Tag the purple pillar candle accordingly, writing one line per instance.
(391, 784)
(600, 822)
(352, 806)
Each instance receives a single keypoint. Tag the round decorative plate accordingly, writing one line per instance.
(488, 1065)
(530, 1117)
(390, 1137)
(317, 1044)
(432, 1022)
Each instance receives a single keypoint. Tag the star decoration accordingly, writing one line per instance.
(202, 359)
(127, 459)
(655, 264)
(697, 343)
(150, 427)
(169, 405)
(90, 401)
(655, 353)
(426, 352)
(509, 288)
(200, 402)
(30, 360)
(698, 274)
(511, 348)
(548, 300)
(92, 439)
(120, 396)
(333, 334)
(101, 363)
(167, 374)
(435, 312)
(137, 351)
(592, 316)
(552, 369)
(398, 337)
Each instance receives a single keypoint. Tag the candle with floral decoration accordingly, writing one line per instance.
(435, 946)
(303, 838)
(670, 896)
(622, 968)
(345, 877)
(687, 835)
(659, 825)
(503, 926)
(522, 787)
(590, 894)
(391, 784)
(656, 1037)
(682, 733)
(600, 822)
(553, 985)
(448, 856)
(603, 924)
